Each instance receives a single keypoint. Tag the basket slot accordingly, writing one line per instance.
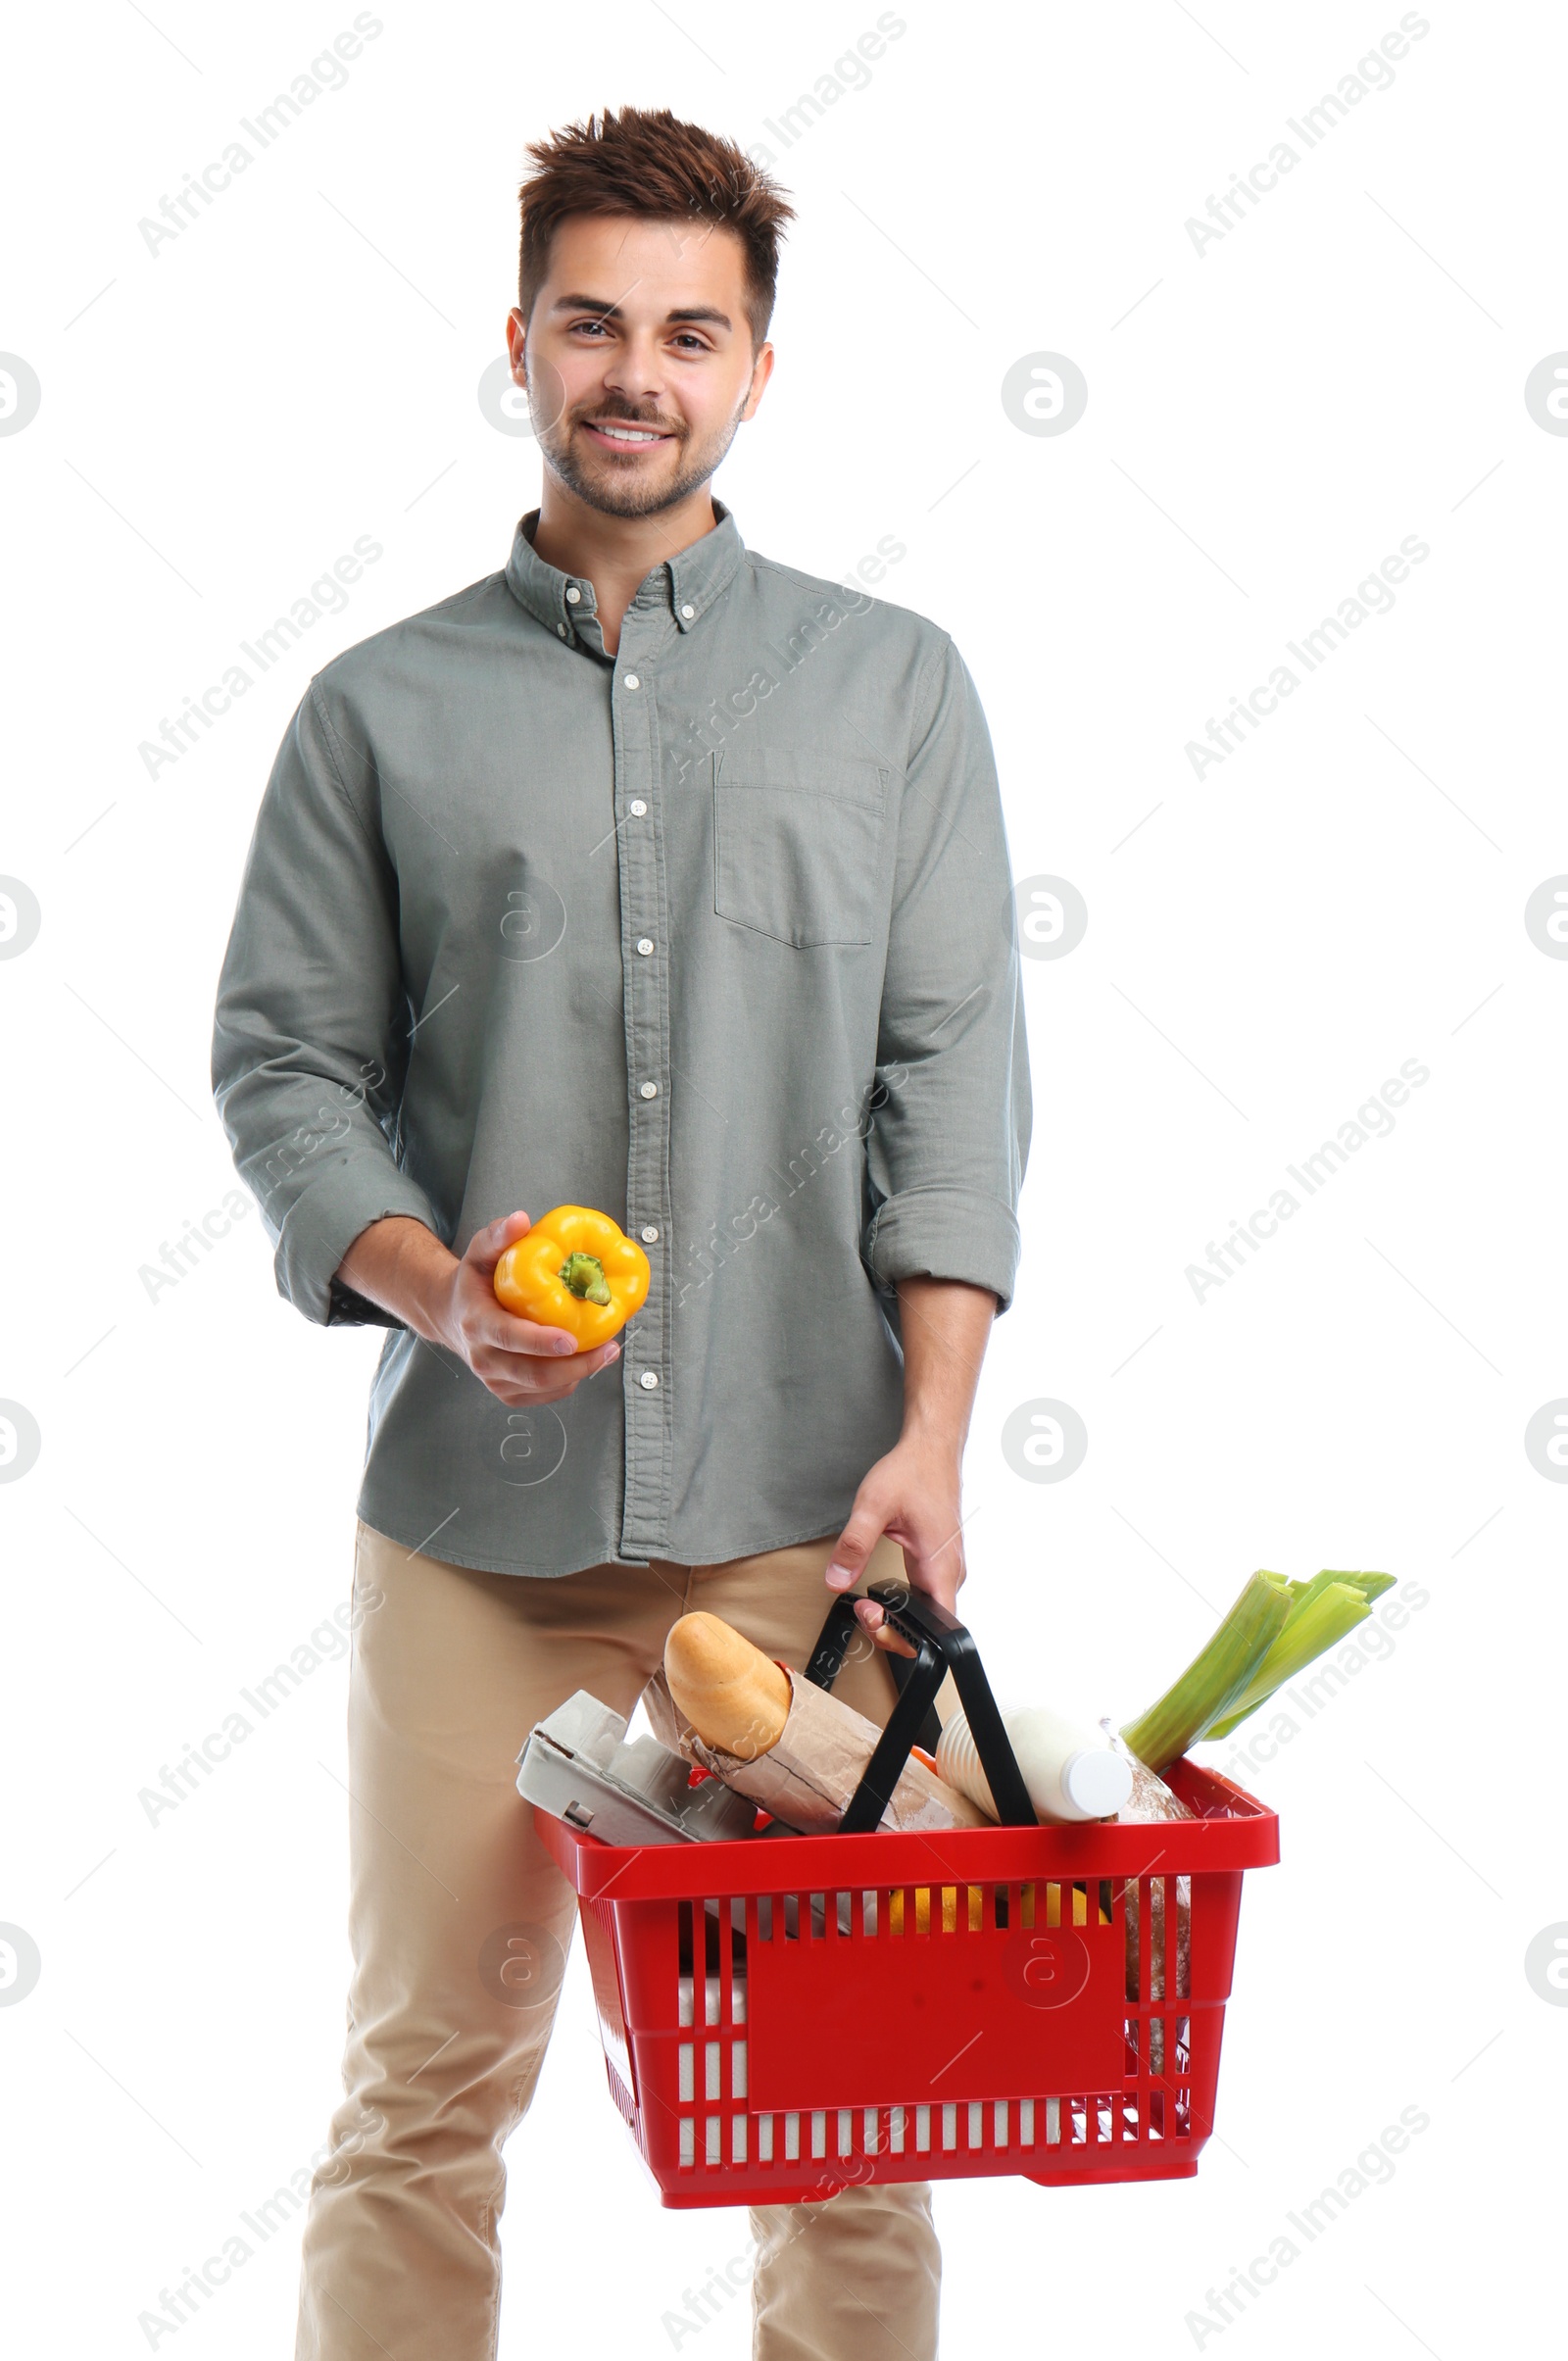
(713, 2129)
(896, 2128)
(818, 2130)
(688, 2140)
(1026, 1904)
(685, 2057)
(871, 2130)
(792, 2137)
(737, 1962)
(869, 1912)
(737, 2070)
(765, 2140)
(737, 2140)
(923, 2129)
(1131, 1918)
(819, 1917)
(1053, 2123)
(846, 2116)
(1156, 2115)
(950, 2125)
(1026, 2122)
(1183, 1938)
(765, 1918)
(1129, 2028)
(977, 2124)
(1002, 1905)
(792, 1917)
(712, 2069)
(998, 2123)
(685, 1990)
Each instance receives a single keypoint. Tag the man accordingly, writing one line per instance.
(652, 876)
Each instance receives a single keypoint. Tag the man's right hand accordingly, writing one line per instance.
(404, 1267)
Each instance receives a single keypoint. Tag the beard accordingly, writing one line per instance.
(599, 484)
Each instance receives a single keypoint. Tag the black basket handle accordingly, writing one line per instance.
(942, 1645)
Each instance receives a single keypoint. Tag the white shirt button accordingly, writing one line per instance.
(649, 1090)
(645, 947)
(648, 1380)
(649, 1233)
(560, 629)
(637, 808)
(632, 682)
(573, 594)
(688, 613)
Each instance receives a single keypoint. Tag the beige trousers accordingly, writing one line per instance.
(449, 1670)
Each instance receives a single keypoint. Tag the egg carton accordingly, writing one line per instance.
(578, 1763)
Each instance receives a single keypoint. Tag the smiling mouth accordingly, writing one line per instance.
(616, 435)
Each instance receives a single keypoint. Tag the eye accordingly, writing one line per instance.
(699, 344)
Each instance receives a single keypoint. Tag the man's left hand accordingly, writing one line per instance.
(912, 1497)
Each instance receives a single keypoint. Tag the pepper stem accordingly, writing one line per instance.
(584, 1276)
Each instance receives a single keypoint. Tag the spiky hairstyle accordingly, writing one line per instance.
(651, 166)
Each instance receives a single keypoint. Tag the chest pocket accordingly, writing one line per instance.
(797, 844)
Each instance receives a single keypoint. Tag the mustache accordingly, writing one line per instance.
(618, 414)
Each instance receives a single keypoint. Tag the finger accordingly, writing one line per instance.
(542, 1384)
(487, 1245)
(872, 1620)
(529, 1372)
(507, 1332)
(854, 1545)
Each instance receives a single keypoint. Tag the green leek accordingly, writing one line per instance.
(1217, 1676)
(1318, 1620)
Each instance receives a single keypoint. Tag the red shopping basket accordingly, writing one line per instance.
(785, 2015)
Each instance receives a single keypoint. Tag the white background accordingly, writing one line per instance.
(1267, 419)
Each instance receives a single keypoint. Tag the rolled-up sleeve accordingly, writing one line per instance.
(311, 1031)
(948, 1148)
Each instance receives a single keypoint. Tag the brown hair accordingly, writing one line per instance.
(650, 164)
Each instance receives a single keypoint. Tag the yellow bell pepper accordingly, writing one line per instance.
(577, 1270)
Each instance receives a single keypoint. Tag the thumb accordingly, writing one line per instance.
(487, 1245)
(855, 1543)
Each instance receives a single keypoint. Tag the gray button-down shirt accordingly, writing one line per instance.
(715, 935)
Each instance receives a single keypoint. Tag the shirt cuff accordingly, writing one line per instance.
(945, 1234)
(322, 1225)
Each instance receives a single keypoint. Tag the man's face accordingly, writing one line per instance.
(638, 358)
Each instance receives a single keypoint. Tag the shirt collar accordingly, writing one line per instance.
(689, 583)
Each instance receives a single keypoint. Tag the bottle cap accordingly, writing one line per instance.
(1098, 1782)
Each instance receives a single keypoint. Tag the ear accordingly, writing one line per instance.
(761, 371)
(516, 342)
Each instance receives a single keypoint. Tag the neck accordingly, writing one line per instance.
(616, 554)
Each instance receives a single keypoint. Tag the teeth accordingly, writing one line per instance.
(629, 435)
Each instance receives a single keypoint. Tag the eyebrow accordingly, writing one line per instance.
(704, 313)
